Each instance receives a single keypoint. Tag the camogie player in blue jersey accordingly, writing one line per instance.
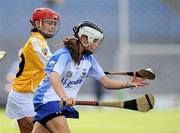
(66, 72)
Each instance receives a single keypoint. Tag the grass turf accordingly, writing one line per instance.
(114, 121)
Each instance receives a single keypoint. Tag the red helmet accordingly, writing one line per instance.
(44, 13)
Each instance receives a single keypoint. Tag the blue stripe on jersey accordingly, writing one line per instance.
(52, 62)
(45, 83)
(41, 90)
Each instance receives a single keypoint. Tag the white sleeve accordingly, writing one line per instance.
(57, 63)
(61, 63)
(42, 50)
(96, 70)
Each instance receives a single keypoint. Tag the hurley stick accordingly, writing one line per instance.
(142, 104)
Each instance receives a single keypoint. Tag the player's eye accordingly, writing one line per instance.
(96, 40)
(51, 22)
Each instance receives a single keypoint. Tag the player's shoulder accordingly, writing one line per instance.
(37, 38)
(62, 50)
(37, 35)
(60, 53)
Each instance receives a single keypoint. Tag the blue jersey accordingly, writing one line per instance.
(72, 75)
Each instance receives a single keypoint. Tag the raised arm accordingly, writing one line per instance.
(117, 84)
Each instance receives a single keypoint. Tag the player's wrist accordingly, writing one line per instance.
(63, 98)
(129, 85)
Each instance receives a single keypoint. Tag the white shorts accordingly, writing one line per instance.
(20, 105)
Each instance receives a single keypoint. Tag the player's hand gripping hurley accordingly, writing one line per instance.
(142, 104)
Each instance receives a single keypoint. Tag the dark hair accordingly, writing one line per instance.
(73, 46)
(34, 30)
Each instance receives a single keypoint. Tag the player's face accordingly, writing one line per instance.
(50, 26)
(91, 46)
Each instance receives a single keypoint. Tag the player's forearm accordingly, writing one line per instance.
(57, 85)
(113, 84)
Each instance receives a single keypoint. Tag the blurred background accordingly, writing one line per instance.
(138, 34)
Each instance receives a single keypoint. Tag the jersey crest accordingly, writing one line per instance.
(69, 74)
(45, 51)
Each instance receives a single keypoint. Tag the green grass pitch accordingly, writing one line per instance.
(114, 121)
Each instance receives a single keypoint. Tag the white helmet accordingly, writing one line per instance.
(90, 30)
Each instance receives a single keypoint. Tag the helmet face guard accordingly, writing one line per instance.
(91, 31)
(92, 35)
(48, 16)
(48, 32)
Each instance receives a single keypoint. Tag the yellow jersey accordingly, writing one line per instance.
(34, 57)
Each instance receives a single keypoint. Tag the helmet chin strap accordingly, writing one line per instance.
(47, 36)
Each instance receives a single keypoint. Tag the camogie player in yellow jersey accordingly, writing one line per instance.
(33, 59)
